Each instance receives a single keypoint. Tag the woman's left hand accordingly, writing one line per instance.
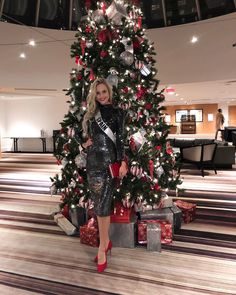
(123, 170)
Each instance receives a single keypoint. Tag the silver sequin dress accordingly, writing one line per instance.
(100, 154)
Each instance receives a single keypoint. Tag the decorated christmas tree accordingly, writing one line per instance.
(112, 43)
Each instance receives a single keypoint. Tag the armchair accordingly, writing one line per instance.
(200, 155)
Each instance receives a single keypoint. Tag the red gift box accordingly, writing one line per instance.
(188, 210)
(166, 231)
(89, 233)
(120, 214)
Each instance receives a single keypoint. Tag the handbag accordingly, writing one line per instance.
(114, 169)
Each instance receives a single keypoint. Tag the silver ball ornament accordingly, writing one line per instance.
(112, 80)
(98, 16)
(127, 58)
(89, 44)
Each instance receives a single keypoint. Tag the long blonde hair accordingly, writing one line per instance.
(92, 103)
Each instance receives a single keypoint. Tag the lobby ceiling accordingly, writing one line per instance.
(204, 72)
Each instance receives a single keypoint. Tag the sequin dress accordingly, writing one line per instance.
(100, 154)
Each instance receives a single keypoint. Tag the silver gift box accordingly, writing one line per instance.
(154, 237)
(163, 214)
(65, 224)
(123, 234)
(172, 214)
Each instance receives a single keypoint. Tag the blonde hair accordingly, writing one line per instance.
(92, 106)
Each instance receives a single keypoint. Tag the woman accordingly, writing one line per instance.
(219, 123)
(102, 150)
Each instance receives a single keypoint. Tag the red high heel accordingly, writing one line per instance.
(109, 247)
(103, 266)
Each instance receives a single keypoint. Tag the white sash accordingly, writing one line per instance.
(106, 129)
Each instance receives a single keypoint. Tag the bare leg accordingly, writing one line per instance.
(103, 225)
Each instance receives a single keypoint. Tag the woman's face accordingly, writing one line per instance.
(102, 94)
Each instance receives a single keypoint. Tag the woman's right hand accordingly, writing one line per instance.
(87, 143)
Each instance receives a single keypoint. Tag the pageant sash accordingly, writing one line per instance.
(106, 129)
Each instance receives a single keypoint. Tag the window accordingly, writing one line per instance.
(20, 11)
(212, 8)
(54, 14)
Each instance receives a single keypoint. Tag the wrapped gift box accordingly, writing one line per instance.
(154, 237)
(166, 202)
(89, 233)
(120, 214)
(65, 224)
(188, 210)
(123, 234)
(77, 216)
(177, 214)
(163, 214)
(166, 231)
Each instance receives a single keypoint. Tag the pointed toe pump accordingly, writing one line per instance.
(109, 247)
(102, 267)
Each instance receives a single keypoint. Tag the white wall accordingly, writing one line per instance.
(2, 121)
(26, 117)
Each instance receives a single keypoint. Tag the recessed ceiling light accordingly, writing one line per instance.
(32, 43)
(181, 98)
(194, 39)
(22, 55)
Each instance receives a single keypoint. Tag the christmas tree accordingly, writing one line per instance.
(112, 43)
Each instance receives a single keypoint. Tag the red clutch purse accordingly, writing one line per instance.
(114, 169)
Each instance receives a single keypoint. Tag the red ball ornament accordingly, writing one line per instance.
(77, 190)
(136, 45)
(141, 92)
(157, 187)
(79, 77)
(103, 36)
(88, 4)
(88, 29)
(103, 53)
(148, 106)
(80, 179)
(158, 147)
(125, 89)
(169, 151)
(144, 178)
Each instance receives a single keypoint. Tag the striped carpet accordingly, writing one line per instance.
(37, 257)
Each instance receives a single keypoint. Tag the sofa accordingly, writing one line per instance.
(224, 154)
